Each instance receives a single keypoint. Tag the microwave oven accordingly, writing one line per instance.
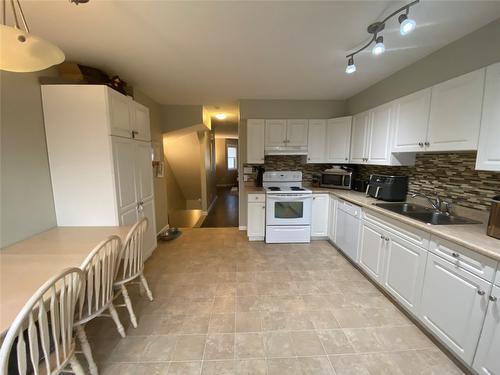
(336, 179)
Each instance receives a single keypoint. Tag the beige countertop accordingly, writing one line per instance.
(26, 265)
(254, 189)
(472, 236)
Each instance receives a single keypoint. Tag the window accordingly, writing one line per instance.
(232, 152)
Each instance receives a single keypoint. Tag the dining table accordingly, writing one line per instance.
(26, 265)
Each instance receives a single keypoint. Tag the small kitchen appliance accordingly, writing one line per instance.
(387, 188)
(494, 221)
(336, 178)
(288, 207)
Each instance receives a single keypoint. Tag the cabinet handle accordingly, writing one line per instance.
(427, 143)
(345, 159)
(387, 238)
(455, 255)
(493, 298)
(421, 144)
(381, 236)
(134, 133)
(263, 207)
(481, 292)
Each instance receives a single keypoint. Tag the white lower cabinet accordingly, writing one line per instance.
(404, 272)
(487, 359)
(320, 215)
(332, 218)
(256, 217)
(371, 250)
(454, 305)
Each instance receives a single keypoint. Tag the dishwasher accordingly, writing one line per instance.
(347, 227)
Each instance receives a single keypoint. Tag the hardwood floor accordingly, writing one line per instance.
(225, 211)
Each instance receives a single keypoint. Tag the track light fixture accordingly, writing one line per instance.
(407, 25)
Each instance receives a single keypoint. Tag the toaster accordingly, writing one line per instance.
(387, 188)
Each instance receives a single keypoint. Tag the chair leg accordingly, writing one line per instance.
(76, 366)
(128, 303)
(144, 283)
(80, 333)
(116, 319)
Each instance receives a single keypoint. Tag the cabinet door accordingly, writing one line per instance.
(256, 220)
(255, 141)
(488, 150)
(338, 140)
(144, 170)
(320, 215)
(454, 305)
(456, 113)
(332, 220)
(296, 132)
(404, 271)
(120, 114)
(124, 155)
(140, 124)
(487, 359)
(358, 138)
(316, 141)
(147, 210)
(372, 247)
(411, 122)
(379, 134)
(129, 217)
(275, 133)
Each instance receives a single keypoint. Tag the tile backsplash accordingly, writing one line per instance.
(451, 175)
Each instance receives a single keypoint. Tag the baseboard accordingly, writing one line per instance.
(242, 227)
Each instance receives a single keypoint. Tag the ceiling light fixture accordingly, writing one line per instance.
(220, 116)
(407, 25)
(22, 51)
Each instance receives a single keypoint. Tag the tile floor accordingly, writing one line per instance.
(226, 306)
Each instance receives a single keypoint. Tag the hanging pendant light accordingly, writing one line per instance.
(21, 51)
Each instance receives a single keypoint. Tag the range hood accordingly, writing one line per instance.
(285, 150)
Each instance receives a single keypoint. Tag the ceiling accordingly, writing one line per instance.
(215, 53)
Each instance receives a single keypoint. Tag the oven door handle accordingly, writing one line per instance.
(288, 197)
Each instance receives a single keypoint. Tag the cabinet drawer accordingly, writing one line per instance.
(256, 197)
(406, 232)
(471, 261)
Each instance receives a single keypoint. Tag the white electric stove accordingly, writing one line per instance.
(288, 207)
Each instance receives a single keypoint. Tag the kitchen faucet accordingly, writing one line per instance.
(436, 203)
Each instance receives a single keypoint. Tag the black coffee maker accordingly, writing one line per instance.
(260, 175)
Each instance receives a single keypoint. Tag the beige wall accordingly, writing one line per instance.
(475, 50)
(223, 175)
(27, 204)
(177, 117)
(175, 198)
(160, 185)
(207, 160)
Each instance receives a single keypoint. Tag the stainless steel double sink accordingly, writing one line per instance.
(425, 214)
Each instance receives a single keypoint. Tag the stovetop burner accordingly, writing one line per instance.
(274, 188)
(296, 188)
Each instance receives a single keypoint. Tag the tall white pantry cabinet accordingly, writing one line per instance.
(98, 143)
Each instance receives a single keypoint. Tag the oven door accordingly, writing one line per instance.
(288, 209)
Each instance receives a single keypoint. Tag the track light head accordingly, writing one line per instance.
(379, 47)
(351, 68)
(407, 25)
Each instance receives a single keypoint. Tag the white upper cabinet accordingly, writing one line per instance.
(320, 215)
(141, 129)
(488, 150)
(255, 141)
(455, 115)
(275, 133)
(120, 119)
(296, 132)
(316, 141)
(411, 122)
(379, 135)
(338, 139)
(359, 137)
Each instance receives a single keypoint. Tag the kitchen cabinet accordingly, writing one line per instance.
(320, 215)
(128, 118)
(347, 228)
(358, 138)
(316, 141)
(411, 122)
(487, 359)
(98, 179)
(255, 141)
(455, 113)
(454, 305)
(286, 137)
(332, 218)
(256, 217)
(488, 149)
(371, 250)
(296, 133)
(276, 133)
(338, 139)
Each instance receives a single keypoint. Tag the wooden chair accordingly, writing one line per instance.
(100, 268)
(132, 266)
(42, 332)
